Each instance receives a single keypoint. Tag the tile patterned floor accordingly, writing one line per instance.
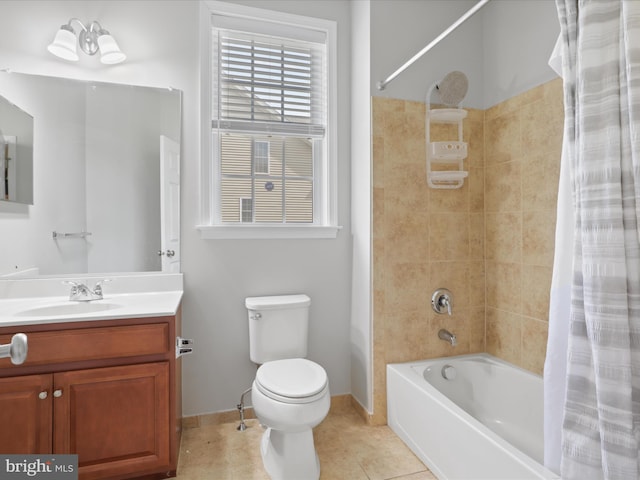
(348, 450)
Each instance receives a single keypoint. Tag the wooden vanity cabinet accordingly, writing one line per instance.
(25, 417)
(108, 391)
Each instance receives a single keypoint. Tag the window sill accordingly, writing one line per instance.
(263, 232)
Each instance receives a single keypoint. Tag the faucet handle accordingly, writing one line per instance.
(442, 301)
(75, 287)
(97, 290)
(99, 283)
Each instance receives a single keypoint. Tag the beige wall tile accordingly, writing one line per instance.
(554, 102)
(503, 284)
(503, 187)
(378, 112)
(536, 284)
(540, 173)
(476, 236)
(377, 169)
(538, 230)
(448, 236)
(406, 335)
(378, 212)
(405, 287)
(454, 276)
(537, 127)
(477, 283)
(503, 108)
(455, 200)
(504, 332)
(476, 330)
(378, 263)
(502, 139)
(534, 344)
(405, 186)
(476, 189)
(473, 134)
(503, 237)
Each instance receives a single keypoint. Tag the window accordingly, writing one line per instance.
(246, 210)
(271, 126)
(261, 157)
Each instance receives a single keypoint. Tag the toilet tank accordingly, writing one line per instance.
(278, 327)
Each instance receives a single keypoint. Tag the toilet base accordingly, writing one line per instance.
(290, 456)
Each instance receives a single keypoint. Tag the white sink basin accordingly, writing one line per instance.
(33, 310)
(68, 308)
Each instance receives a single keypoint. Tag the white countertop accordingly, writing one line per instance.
(29, 303)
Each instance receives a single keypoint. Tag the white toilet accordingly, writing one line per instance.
(290, 394)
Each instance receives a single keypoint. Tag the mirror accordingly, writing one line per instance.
(16, 153)
(98, 200)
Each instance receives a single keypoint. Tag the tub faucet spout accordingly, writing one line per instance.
(447, 336)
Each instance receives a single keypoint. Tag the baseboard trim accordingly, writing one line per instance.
(339, 404)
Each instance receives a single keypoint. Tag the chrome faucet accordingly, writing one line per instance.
(447, 336)
(82, 293)
(442, 301)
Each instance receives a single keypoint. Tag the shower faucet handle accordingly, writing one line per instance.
(442, 301)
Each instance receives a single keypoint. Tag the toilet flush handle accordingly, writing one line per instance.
(256, 316)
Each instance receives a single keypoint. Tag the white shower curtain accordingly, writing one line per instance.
(601, 411)
(555, 366)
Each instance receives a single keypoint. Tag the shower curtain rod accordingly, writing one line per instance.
(438, 39)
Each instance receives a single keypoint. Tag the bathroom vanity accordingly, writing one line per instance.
(104, 383)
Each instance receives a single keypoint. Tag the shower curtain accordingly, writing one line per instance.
(600, 433)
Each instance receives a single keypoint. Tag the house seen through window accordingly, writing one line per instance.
(271, 142)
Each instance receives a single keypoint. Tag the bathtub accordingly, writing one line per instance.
(483, 422)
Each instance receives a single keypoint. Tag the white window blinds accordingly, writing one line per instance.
(268, 84)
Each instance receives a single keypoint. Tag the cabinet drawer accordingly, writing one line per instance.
(98, 343)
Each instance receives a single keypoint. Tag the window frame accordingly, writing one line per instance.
(325, 190)
(242, 200)
(255, 157)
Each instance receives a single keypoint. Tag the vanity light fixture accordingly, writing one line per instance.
(91, 39)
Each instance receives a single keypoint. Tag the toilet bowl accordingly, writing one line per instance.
(290, 397)
(290, 394)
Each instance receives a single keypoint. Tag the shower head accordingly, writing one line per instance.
(453, 88)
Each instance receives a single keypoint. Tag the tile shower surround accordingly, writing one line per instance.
(489, 242)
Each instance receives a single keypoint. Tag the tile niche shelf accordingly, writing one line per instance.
(450, 153)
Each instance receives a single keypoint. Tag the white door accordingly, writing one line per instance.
(170, 201)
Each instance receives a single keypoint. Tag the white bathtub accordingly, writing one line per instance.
(486, 423)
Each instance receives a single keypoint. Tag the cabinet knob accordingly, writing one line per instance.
(42, 395)
(57, 393)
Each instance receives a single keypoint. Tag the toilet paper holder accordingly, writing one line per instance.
(184, 346)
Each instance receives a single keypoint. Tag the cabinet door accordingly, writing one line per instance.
(25, 414)
(116, 419)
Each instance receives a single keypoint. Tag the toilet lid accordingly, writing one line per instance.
(293, 378)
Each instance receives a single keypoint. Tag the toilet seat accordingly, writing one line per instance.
(293, 380)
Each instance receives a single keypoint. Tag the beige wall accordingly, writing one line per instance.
(423, 239)
(523, 144)
(489, 242)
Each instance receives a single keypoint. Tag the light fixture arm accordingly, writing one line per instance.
(88, 36)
